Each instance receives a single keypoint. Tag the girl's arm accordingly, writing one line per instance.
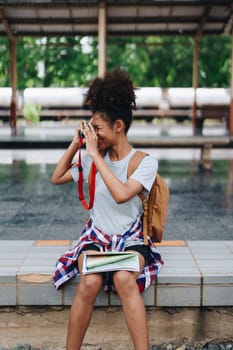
(120, 191)
(61, 173)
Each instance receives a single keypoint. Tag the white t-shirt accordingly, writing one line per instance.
(107, 215)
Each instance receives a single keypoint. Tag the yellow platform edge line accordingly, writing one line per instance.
(67, 242)
(52, 242)
(171, 244)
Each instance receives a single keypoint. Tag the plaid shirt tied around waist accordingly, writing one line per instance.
(67, 268)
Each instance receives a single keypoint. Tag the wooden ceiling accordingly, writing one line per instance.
(80, 17)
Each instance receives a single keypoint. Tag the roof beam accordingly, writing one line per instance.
(6, 25)
(204, 19)
(71, 19)
(228, 28)
(151, 18)
(112, 20)
(87, 3)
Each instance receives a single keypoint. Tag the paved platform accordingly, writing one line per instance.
(39, 221)
(31, 208)
(195, 274)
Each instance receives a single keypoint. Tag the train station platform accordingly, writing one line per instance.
(192, 299)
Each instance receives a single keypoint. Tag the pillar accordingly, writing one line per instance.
(195, 84)
(231, 102)
(13, 81)
(102, 39)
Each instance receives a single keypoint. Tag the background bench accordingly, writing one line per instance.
(205, 143)
(152, 102)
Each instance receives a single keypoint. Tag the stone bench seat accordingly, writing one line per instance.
(195, 274)
(204, 143)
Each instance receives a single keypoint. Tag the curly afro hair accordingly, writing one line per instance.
(113, 96)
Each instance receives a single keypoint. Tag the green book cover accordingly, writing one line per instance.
(110, 261)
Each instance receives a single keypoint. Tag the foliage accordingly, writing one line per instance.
(165, 62)
(64, 62)
(168, 61)
(31, 113)
(215, 62)
(4, 65)
(150, 60)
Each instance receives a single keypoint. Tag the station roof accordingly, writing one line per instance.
(149, 17)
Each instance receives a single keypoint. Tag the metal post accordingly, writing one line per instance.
(231, 103)
(13, 80)
(102, 39)
(195, 84)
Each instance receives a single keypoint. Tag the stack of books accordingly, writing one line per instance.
(96, 262)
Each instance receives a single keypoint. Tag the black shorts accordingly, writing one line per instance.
(141, 249)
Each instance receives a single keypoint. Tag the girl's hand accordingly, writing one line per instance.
(77, 136)
(90, 138)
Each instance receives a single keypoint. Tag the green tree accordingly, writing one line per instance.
(29, 53)
(215, 61)
(151, 60)
(167, 61)
(4, 62)
(66, 62)
(64, 59)
(131, 54)
(170, 61)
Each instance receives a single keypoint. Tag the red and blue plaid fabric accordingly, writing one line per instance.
(67, 268)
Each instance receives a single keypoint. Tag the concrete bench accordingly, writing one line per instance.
(205, 143)
(147, 114)
(219, 112)
(152, 102)
(194, 274)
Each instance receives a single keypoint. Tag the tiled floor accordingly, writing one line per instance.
(31, 208)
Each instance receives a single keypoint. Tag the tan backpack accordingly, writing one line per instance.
(156, 207)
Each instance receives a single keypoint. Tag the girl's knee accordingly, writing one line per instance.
(124, 281)
(89, 285)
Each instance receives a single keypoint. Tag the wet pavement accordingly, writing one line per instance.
(31, 208)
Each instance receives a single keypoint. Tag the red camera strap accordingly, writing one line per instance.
(91, 183)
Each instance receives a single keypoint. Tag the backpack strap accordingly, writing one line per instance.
(134, 162)
(132, 166)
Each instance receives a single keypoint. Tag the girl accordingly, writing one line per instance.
(115, 218)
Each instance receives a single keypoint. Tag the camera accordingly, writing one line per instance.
(81, 134)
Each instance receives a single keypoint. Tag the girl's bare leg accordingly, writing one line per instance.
(133, 307)
(82, 308)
